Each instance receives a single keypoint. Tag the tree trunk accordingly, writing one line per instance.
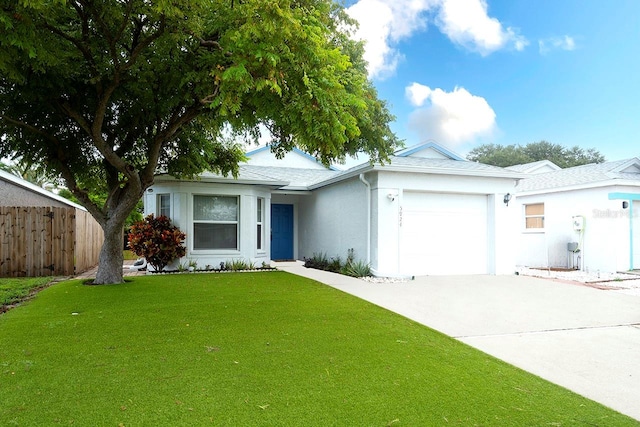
(111, 257)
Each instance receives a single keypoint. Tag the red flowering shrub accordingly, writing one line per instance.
(157, 240)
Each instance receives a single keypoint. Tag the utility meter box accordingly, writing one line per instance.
(572, 246)
(578, 223)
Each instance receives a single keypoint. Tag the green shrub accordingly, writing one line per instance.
(238, 264)
(357, 269)
(320, 261)
(157, 240)
(335, 265)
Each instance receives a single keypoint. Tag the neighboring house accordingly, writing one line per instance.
(427, 211)
(594, 206)
(43, 234)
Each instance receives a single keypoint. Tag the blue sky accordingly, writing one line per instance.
(470, 72)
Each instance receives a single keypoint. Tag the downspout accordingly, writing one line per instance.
(631, 266)
(368, 185)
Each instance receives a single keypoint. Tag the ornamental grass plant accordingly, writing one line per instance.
(254, 349)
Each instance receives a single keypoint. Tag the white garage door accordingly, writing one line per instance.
(443, 234)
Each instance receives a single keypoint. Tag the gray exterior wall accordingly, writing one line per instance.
(14, 195)
(333, 219)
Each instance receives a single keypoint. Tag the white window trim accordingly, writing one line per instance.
(525, 216)
(260, 220)
(237, 222)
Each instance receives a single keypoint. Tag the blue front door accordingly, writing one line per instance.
(281, 232)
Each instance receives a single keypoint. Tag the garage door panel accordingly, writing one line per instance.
(444, 234)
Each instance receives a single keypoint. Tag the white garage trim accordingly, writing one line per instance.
(443, 233)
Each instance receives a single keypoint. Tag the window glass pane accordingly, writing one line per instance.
(164, 205)
(537, 209)
(215, 236)
(535, 222)
(215, 208)
(259, 245)
(260, 220)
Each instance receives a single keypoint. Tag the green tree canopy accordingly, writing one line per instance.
(509, 155)
(30, 171)
(107, 93)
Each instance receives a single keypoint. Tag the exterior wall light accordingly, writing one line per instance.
(507, 198)
(625, 204)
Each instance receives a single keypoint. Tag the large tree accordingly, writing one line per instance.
(509, 155)
(108, 92)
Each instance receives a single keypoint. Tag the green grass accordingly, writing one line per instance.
(128, 255)
(254, 349)
(13, 290)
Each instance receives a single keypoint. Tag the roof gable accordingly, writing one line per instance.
(296, 158)
(632, 166)
(540, 166)
(594, 174)
(428, 150)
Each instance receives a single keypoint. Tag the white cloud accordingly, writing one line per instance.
(384, 23)
(417, 93)
(467, 23)
(451, 118)
(553, 43)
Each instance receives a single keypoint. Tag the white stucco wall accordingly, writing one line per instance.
(333, 219)
(605, 240)
(181, 196)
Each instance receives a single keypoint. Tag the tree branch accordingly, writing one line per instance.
(145, 43)
(30, 128)
(64, 168)
(155, 147)
(79, 45)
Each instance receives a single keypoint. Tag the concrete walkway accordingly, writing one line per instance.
(91, 273)
(584, 339)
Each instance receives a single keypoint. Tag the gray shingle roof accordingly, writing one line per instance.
(305, 179)
(582, 175)
(426, 165)
(445, 164)
(297, 177)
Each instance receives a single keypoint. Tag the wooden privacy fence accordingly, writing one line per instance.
(47, 241)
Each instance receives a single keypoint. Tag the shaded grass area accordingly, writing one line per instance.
(254, 349)
(128, 255)
(14, 290)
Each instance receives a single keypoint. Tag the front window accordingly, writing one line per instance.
(215, 222)
(260, 231)
(534, 216)
(164, 205)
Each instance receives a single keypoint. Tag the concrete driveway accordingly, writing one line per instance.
(584, 339)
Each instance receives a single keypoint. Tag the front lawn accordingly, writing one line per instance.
(254, 349)
(14, 290)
